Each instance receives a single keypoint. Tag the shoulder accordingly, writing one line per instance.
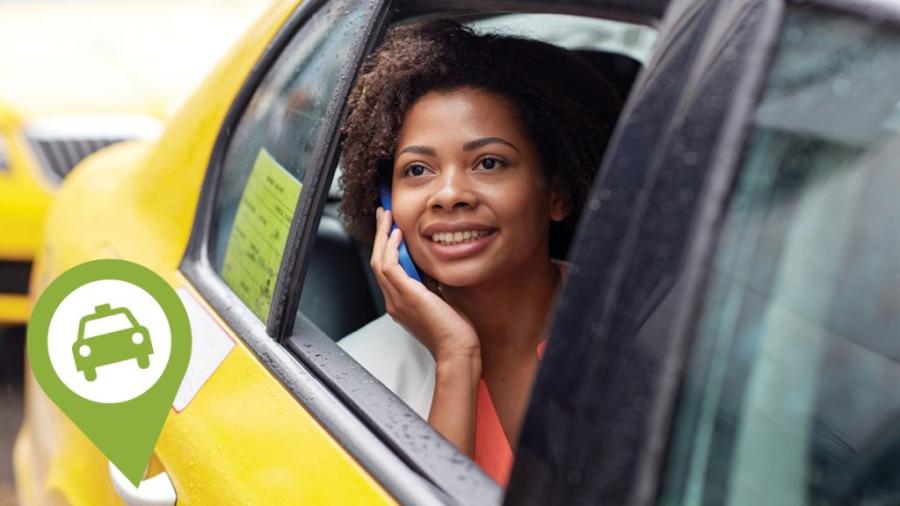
(396, 358)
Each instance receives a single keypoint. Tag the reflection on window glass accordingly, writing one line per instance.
(271, 150)
(792, 395)
(575, 32)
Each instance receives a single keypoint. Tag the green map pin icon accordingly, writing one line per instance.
(109, 342)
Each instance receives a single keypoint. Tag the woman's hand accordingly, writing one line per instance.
(447, 334)
(444, 331)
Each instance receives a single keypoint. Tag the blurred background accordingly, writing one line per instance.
(77, 76)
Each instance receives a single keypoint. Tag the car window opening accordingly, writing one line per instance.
(342, 297)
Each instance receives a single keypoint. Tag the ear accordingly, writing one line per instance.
(559, 205)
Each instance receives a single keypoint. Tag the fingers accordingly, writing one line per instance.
(392, 249)
(398, 288)
(390, 259)
(385, 251)
(382, 225)
(384, 220)
(390, 263)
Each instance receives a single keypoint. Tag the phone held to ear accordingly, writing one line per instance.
(405, 260)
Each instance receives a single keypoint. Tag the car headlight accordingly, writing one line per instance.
(84, 350)
(137, 338)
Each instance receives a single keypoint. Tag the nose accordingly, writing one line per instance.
(453, 190)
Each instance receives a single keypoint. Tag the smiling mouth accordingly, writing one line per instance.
(451, 238)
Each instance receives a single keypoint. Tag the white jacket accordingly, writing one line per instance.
(397, 359)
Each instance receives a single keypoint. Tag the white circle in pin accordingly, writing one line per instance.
(109, 341)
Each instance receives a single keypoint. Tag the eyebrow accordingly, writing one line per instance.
(477, 143)
(469, 146)
(421, 150)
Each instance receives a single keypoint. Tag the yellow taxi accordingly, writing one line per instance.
(79, 76)
(726, 334)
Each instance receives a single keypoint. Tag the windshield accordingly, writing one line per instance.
(106, 324)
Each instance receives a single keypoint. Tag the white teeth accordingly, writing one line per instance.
(458, 237)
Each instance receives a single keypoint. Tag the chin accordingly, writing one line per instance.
(458, 276)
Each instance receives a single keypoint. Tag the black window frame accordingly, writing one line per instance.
(319, 374)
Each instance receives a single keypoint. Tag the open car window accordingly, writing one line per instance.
(339, 295)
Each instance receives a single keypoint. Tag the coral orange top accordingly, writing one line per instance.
(493, 452)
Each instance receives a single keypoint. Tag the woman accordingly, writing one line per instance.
(488, 144)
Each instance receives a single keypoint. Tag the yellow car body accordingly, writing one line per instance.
(284, 453)
(93, 71)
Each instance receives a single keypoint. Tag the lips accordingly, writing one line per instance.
(465, 248)
(458, 240)
(439, 227)
(451, 238)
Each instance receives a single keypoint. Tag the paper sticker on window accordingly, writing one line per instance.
(261, 226)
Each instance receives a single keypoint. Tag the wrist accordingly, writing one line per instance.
(458, 365)
(462, 356)
(460, 345)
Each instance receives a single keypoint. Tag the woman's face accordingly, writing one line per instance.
(468, 189)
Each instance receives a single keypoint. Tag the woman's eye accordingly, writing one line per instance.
(416, 170)
(490, 163)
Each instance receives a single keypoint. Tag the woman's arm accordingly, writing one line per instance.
(447, 334)
(453, 405)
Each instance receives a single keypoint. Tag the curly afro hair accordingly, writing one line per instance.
(565, 106)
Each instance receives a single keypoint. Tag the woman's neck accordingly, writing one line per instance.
(510, 313)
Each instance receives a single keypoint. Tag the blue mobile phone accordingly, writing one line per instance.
(405, 260)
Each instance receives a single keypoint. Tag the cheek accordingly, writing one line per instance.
(406, 210)
(523, 205)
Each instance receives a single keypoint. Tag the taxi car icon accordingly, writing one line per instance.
(108, 336)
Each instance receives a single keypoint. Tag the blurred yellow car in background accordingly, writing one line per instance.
(81, 75)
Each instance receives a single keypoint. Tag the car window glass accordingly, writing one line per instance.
(339, 293)
(575, 32)
(271, 150)
(791, 392)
